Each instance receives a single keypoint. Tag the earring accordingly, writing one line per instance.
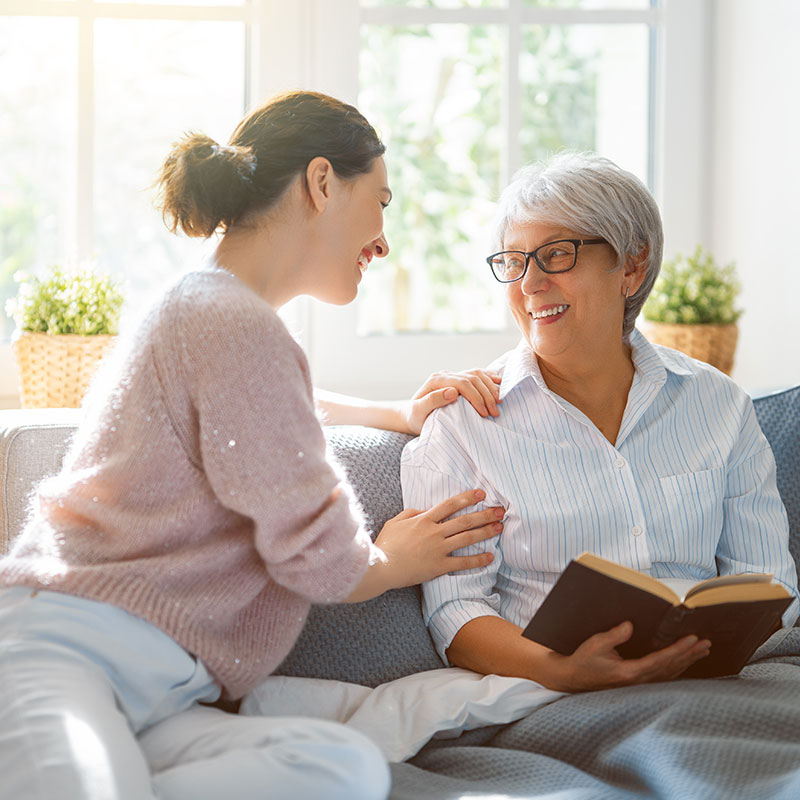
(627, 292)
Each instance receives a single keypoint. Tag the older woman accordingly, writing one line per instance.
(604, 443)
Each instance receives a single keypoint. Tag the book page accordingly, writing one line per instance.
(681, 586)
(737, 593)
(630, 576)
(685, 588)
(727, 580)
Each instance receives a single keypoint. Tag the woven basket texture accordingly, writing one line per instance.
(55, 370)
(714, 344)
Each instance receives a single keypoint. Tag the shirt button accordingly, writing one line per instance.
(637, 530)
(619, 463)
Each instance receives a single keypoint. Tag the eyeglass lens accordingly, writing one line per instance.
(551, 257)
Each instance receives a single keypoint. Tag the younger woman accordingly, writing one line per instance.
(196, 518)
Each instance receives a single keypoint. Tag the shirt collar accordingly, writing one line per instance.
(650, 362)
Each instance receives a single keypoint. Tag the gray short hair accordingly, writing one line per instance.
(594, 197)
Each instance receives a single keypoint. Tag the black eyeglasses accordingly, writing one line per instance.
(552, 257)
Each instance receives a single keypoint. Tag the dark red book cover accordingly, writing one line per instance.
(584, 602)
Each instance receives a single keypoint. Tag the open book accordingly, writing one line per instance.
(735, 612)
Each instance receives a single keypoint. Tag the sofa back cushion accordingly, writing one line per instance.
(779, 417)
(385, 638)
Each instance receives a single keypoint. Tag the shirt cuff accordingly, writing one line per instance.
(790, 615)
(448, 620)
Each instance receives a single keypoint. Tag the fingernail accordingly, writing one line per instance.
(498, 526)
(479, 494)
(499, 512)
(450, 394)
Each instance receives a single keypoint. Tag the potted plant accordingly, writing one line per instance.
(693, 308)
(65, 323)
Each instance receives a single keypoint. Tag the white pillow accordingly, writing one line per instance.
(403, 715)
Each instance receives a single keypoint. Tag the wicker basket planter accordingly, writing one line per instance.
(55, 370)
(714, 344)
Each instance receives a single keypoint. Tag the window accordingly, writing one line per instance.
(98, 96)
(38, 129)
(466, 92)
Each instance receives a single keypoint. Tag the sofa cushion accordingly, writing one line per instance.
(779, 417)
(385, 638)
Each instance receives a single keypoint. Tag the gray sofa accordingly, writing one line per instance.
(685, 739)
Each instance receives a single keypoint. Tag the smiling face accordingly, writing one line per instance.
(570, 316)
(352, 233)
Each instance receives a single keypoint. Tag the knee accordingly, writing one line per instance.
(372, 778)
(357, 770)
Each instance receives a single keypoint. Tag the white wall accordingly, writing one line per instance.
(683, 124)
(755, 178)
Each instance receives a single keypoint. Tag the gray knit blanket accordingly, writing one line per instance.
(735, 737)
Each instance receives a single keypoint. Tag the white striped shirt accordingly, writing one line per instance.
(688, 490)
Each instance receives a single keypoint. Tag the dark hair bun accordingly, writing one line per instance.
(205, 186)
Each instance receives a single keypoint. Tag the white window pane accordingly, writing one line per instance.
(154, 80)
(38, 122)
(434, 95)
(586, 87)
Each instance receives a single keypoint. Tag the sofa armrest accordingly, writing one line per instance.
(32, 447)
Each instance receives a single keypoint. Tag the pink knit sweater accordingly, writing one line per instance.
(196, 494)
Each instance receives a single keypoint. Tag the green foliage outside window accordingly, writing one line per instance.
(17, 238)
(436, 173)
(559, 90)
(445, 155)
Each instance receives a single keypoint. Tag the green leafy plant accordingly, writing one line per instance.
(83, 302)
(694, 290)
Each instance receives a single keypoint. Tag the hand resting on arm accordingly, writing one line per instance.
(417, 545)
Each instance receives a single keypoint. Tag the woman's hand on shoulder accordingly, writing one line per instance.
(597, 665)
(479, 387)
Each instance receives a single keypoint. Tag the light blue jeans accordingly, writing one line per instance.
(83, 684)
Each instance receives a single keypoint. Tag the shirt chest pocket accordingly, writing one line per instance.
(692, 516)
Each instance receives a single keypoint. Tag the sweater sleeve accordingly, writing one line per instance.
(262, 448)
